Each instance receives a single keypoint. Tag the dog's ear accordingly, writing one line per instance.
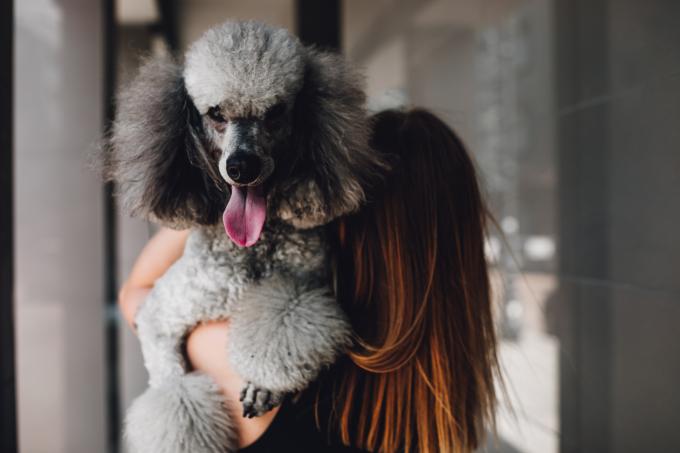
(334, 163)
(155, 152)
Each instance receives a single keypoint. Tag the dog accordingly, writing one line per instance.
(270, 136)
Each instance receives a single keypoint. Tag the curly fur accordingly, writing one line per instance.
(166, 154)
(187, 414)
(273, 312)
(162, 153)
(336, 164)
(250, 66)
(156, 151)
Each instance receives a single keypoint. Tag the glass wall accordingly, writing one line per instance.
(570, 108)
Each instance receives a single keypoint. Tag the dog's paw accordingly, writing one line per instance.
(258, 401)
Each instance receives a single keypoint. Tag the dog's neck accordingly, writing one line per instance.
(276, 233)
(281, 249)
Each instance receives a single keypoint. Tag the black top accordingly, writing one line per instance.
(294, 429)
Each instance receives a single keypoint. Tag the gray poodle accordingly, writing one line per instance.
(272, 136)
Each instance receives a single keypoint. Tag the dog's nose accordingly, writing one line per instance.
(243, 168)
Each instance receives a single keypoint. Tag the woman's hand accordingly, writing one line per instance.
(129, 300)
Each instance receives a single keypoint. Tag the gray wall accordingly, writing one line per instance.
(618, 114)
(59, 242)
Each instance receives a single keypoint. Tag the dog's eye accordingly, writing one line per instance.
(215, 114)
(275, 112)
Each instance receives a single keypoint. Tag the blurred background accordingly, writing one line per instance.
(571, 109)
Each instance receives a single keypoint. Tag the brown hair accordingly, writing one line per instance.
(412, 275)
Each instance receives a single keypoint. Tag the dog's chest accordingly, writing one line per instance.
(281, 249)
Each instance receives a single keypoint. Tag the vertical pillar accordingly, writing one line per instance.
(582, 66)
(110, 292)
(59, 268)
(8, 431)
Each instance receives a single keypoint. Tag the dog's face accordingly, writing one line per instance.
(271, 127)
(243, 78)
(247, 149)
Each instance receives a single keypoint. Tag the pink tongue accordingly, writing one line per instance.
(245, 214)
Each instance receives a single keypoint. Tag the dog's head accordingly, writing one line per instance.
(253, 126)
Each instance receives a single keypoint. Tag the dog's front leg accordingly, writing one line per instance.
(180, 412)
(161, 342)
(280, 337)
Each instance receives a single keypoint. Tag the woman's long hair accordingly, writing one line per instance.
(412, 275)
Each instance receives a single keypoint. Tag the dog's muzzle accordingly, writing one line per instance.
(244, 168)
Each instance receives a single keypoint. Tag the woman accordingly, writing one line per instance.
(412, 275)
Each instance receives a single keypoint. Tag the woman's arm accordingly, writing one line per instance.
(164, 248)
(206, 345)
